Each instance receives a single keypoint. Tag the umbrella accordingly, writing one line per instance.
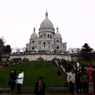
(88, 70)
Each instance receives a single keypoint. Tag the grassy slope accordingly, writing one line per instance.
(49, 74)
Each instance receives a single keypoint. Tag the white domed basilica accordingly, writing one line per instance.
(47, 45)
(48, 40)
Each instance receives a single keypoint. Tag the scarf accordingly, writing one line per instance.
(39, 86)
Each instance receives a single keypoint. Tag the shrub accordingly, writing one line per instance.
(58, 72)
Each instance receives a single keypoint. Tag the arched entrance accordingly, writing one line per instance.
(40, 59)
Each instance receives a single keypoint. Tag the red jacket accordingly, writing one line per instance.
(90, 79)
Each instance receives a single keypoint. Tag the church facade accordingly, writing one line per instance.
(47, 40)
(47, 45)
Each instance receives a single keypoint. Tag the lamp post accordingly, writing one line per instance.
(78, 53)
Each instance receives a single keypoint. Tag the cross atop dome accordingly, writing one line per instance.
(57, 29)
(34, 29)
(46, 14)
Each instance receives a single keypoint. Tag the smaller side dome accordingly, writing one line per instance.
(57, 34)
(34, 35)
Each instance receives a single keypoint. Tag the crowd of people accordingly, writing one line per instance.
(78, 77)
(12, 62)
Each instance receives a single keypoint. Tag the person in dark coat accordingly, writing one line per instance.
(40, 87)
(12, 81)
(78, 83)
(84, 78)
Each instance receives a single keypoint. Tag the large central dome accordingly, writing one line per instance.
(46, 24)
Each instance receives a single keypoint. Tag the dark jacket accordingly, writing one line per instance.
(12, 78)
(84, 77)
(77, 81)
(42, 90)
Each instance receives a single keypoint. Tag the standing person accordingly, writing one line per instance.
(19, 81)
(90, 84)
(78, 83)
(12, 81)
(93, 75)
(84, 81)
(40, 87)
(71, 80)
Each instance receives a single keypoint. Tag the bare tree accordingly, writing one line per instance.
(24, 49)
(73, 50)
(17, 49)
(1, 47)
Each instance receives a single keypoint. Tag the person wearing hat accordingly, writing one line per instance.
(40, 87)
(19, 81)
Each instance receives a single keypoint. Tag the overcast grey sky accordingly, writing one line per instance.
(75, 19)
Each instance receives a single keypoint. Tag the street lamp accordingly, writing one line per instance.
(78, 51)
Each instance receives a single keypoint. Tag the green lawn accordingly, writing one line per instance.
(32, 72)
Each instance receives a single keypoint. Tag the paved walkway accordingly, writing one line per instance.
(32, 94)
(46, 94)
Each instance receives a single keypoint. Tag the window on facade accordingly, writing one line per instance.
(48, 35)
(57, 40)
(57, 47)
(33, 41)
(44, 34)
(32, 48)
(44, 44)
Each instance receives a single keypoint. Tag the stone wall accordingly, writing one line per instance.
(34, 57)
